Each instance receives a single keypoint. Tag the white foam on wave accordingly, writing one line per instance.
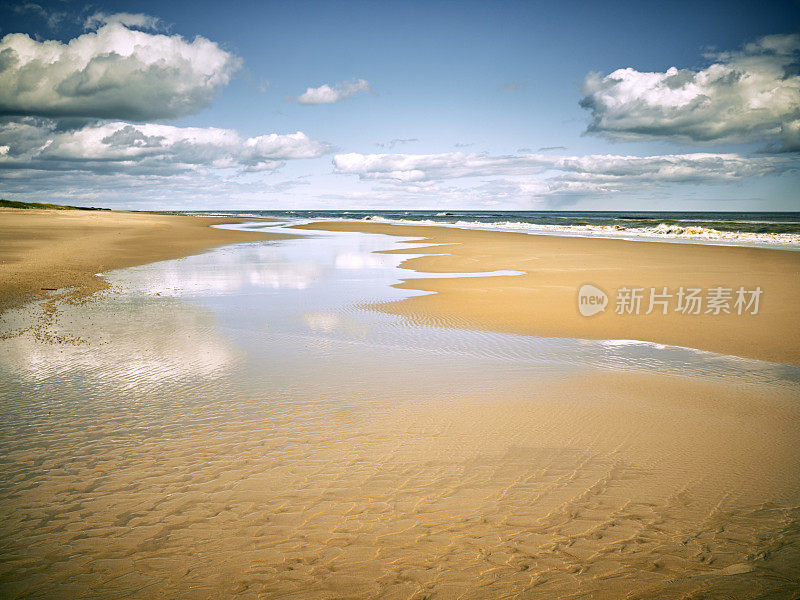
(660, 231)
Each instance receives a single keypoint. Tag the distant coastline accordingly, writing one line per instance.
(42, 206)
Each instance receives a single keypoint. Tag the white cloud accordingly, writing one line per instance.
(743, 96)
(38, 144)
(71, 130)
(543, 174)
(327, 94)
(150, 190)
(409, 168)
(138, 20)
(396, 142)
(113, 73)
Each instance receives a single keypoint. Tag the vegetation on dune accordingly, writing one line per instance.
(15, 204)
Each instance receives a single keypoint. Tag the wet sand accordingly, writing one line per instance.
(543, 302)
(602, 487)
(42, 250)
(233, 425)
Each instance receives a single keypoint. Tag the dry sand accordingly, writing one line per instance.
(53, 249)
(543, 302)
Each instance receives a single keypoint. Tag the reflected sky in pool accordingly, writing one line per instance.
(258, 315)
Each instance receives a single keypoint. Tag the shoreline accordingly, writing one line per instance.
(543, 302)
(47, 250)
(672, 227)
(42, 250)
(717, 238)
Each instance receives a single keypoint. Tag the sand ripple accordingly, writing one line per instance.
(264, 441)
(521, 494)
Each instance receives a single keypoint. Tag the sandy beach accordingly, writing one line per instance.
(543, 301)
(399, 301)
(608, 487)
(242, 423)
(43, 250)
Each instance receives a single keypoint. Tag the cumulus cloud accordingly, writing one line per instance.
(749, 95)
(327, 94)
(544, 174)
(115, 72)
(39, 144)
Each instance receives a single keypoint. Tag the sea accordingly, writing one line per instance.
(777, 229)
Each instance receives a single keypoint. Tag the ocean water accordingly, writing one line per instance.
(748, 228)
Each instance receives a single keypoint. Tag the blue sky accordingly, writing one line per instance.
(456, 105)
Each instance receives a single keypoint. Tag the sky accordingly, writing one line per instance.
(402, 105)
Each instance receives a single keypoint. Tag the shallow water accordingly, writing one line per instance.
(239, 423)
